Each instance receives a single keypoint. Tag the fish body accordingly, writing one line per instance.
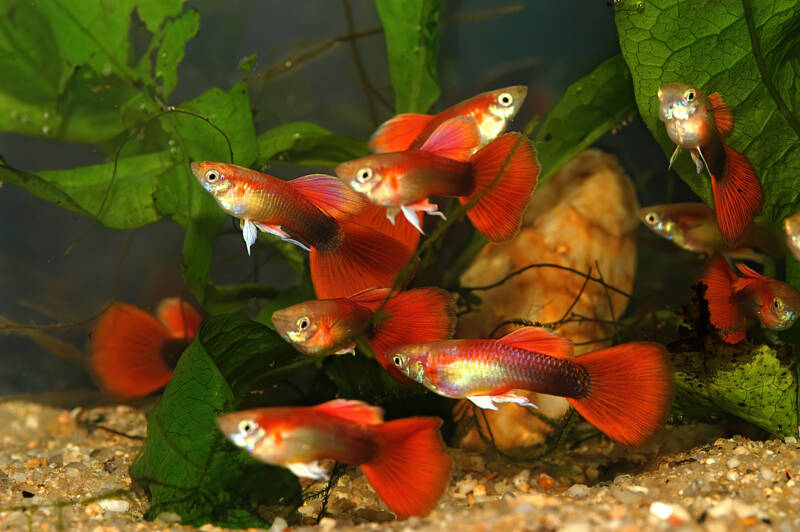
(349, 251)
(414, 316)
(700, 123)
(133, 353)
(492, 111)
(404, 460)
(791, 226)
(496, 181)
(625, 391)
(693, 227)
(734, 299)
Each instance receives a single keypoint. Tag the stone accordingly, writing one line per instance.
(114, 505)
(578, 491)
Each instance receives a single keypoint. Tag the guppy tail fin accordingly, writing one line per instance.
(411, 469)
(364, 258)
(416, 316)
(179, 317)
(630, 391)
(127, 352)
(738, 196)
(723, 304)
(498, 213)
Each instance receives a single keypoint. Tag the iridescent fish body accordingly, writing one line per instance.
(791, 226)
(625, 391)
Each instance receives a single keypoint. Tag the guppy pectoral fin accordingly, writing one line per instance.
(347, 350)
(483, 401)
(411, 216)
(488, 402)
(391, 213)
(673, 157)
(700, 161)
(283, 235)
(310, 470)
(249, 233)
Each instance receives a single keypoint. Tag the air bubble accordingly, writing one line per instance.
(46, 130)
(163, 55)
(46, 115)
(173, 150)
(158, 73)
(297, 135)
(288, 63)
(640, 7)
(107, 69)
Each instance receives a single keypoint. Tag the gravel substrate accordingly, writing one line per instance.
(58, 471)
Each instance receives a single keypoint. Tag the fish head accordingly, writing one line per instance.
(369, 176)
(410, 361)
(265, 432)
(652, 218)
(780, 305)
(215, 177)
(502, 105)
(314, 326)
(686, 112)
(243, 429)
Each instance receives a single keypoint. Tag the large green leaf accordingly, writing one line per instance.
(411, 29)
(176, 34)
(590, 108)
(186, 464)
(744, 49)
(755, 383)
(307, 144)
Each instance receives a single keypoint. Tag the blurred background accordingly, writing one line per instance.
(57, 267)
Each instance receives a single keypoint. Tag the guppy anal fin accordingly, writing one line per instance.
(488, 402)
(310, 470)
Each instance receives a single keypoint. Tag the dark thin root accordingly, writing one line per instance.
(516, 321)
(578, 297)
(82, 421)
(336, 474)
(366, 86)
(598, 280)
(117, 154)
(9, 325)
(608, 295)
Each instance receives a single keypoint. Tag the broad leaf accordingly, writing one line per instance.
(411, 29)
(153, 12)
(755, 383)
(590, 108)
(743, 49)
(307, 144)
(186, 464)
(176, 34)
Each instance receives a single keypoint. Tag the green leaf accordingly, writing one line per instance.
(124, 203)
(411, 28)
(757, 384)
(287, 298)
(746, 51)
(362, 378)
(153, 12)
(590, 108)
(186, 464)
(307, 144)
(176, 34)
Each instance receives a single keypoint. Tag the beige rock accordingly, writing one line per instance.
(584, 217)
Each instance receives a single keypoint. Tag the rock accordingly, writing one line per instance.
(673, 513)
(114, 505)
(522, 478)
(169, 517)
(373, 515)
(578, 491)
(734, 463)
(626, 496)
(698, 486)
(583, 217)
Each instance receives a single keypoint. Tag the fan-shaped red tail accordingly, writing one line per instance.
(738, 196)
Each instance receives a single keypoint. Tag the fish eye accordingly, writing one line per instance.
(651, 218)
(397, 360)
(303, 323)
(364, 175)
(777, 304)
(505, 99)
(247, 427)
(689, 95)
(211, 176)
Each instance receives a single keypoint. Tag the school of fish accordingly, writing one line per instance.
(357, 247)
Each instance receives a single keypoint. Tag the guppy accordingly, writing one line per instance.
(492, 111)
(625, 391)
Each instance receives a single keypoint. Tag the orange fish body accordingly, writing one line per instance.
(791, 226)
(700, 123)
(404, 460)
(733, 299)
(132, 353)
(625, 391)
(492, 111)
(414, 316)
(319, 214)
(446, 166)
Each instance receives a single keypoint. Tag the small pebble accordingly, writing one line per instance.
(734, 463)
(790, 440)
(114, 505)
(279, 524)
(546, 482)
(578, 491)
(522, 478)
(767, 473)
(169, 517)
